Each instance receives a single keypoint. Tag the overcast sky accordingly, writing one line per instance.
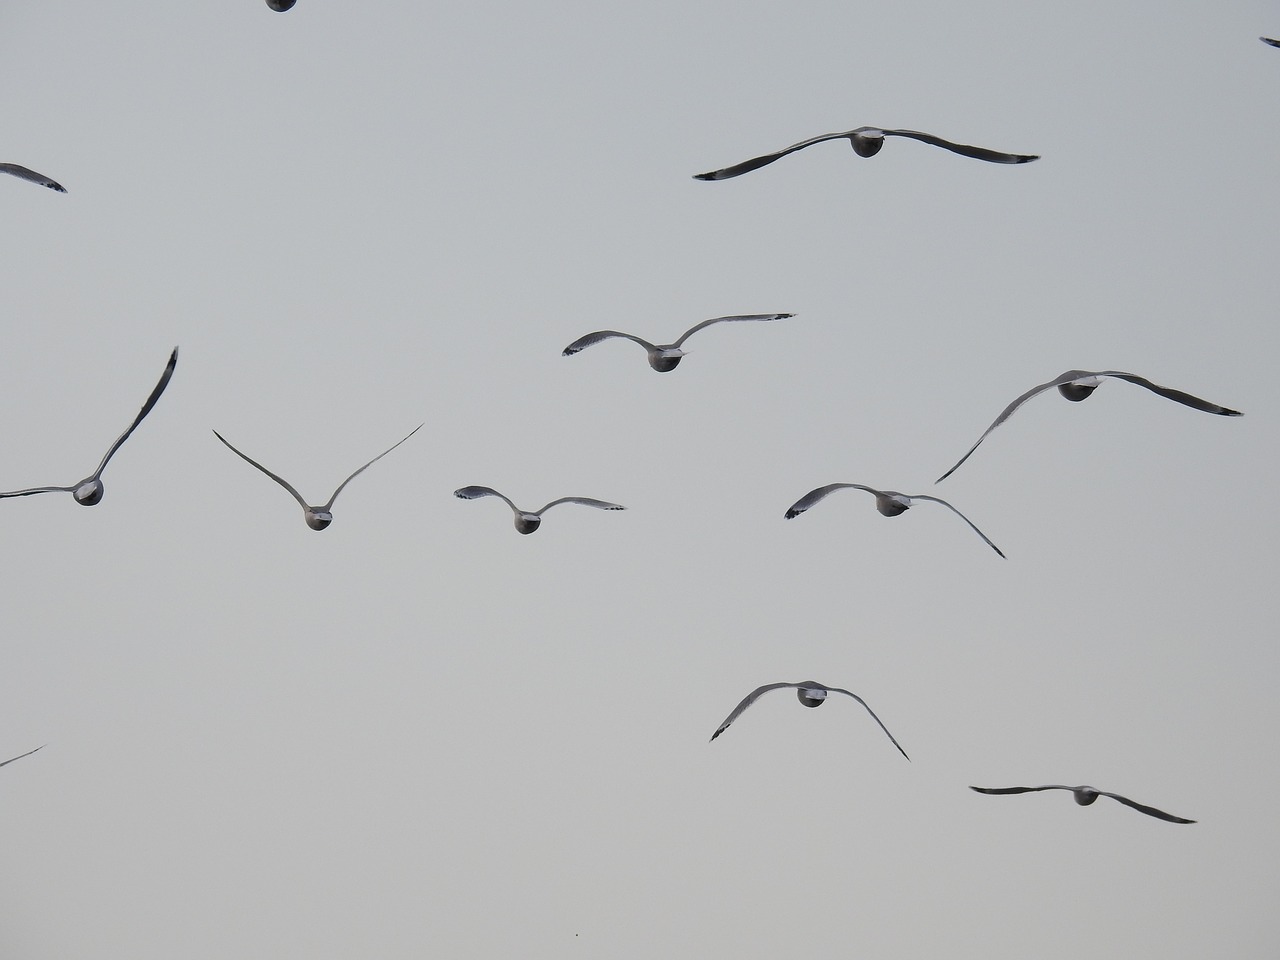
(418, 733)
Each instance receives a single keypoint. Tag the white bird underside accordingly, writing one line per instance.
(810, 688)
(866, 142)
(888, 502)
(1085, 795)
(1078, 384)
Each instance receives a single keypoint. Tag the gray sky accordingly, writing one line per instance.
(419, 733)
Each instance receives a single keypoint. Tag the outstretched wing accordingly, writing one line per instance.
(368, 465)
(1274, 43)
(592, 338)
(280, 480)
(873, 716)
(964, 149)
(964, 518)
(1008, 411)
(585, 501)
(26, 174)
(29, 492)
(21, 755)
(1001, 790)
(472, 493)
(146, 408)
(755, 163)
(1178, 395)
(813, 496)
(1149, 811)
(747, 701)
(746, 316)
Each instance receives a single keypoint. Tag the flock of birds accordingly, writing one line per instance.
(1074, 385)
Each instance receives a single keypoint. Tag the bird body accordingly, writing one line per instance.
(890, 503)
(663, 356)
(317, 517)
(1085, 795)
(1077, 385)
(867, 142)
(89, 491)
(811, 694)
(528, 521)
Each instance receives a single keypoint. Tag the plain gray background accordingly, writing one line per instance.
(419, 733)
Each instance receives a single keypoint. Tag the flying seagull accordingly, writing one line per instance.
(663, 356)
(528, 521)
(280, 6)
(811, 694)
(1274, 43)
(89, 490)
(26, 174)
(318, 517)
(21, 755)
(1085, 796)
(1076, 385)
(888, 502)
(866, 142)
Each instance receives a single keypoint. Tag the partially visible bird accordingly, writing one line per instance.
(1274, 43)
(21, 755)
(664, 356)
(528, 521)
(866, 142)
(89, 490)
(811, 694)
(888, 502)
(317, 517)
(18, 170)
(280, 6)
(1085, 796)
(1077, 385)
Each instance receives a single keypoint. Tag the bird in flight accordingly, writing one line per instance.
(318, 517)
(89, 490)
(866, 142)
(18, 170)
(528, 521)
(1085, 796)
(811, 694)
(663, 356)
(21, 755)
(1077, 385)
(888, 502)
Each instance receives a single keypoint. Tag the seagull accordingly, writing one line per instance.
(1076, 385)
(664, 356)
(811, 694)
(866, 142)
(18, 170)
(89, 490)
(318, 517)
(529, 521)
(21, 755)
(1274, 43)
(889, 502)
(280, 6)
(1085, 796)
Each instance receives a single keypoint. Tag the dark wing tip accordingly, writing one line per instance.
(713, 175)
(56, 186)
(1027, 158)
(792, 513)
